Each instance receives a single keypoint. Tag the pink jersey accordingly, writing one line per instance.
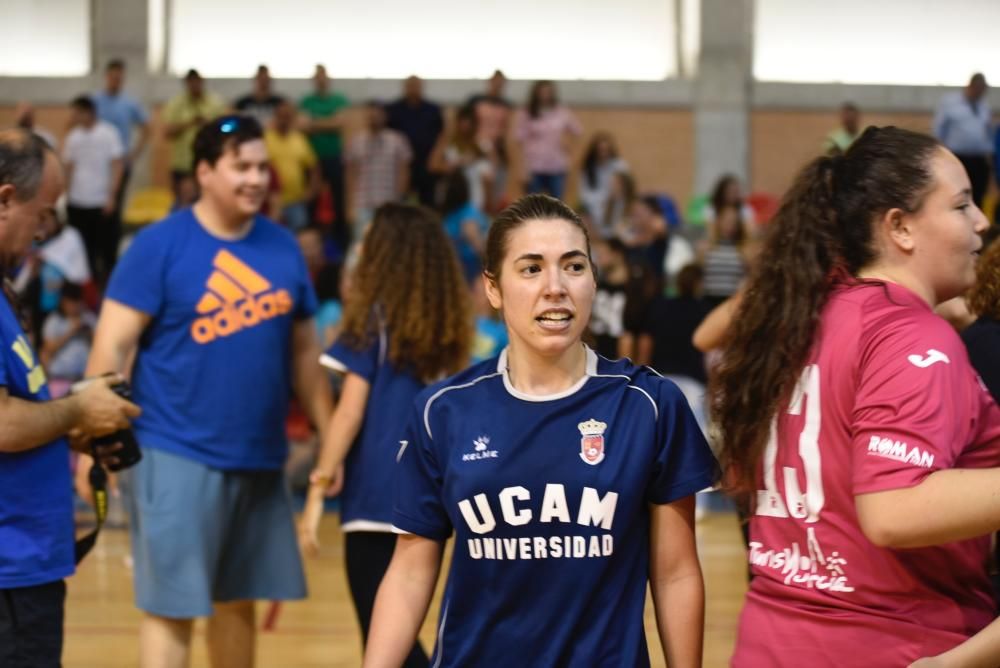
(887, 398)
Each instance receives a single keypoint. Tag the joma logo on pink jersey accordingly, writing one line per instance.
(900, 451)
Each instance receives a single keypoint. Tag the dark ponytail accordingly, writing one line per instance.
(821, 234)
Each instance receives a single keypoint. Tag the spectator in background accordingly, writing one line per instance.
(310, 240)
(850, 129)
(261, 101)
(24, 117)
(93, 155)
(183, 115)
(420, 121)
(465, 224)
(982, 337)
(600, 165)
(59, 260)
(293, 159)
(613, 338)
(378, 167)
(650, 242)
(493, 112)
(331, 307)
(66, 337)
(725, 256)
(324, 125)
(542, 130)
(463, 151)
(963, 124)
(728, 191)
(124, 112)
(665, 342)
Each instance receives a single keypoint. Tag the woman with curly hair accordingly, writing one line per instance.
(982, 337)
(407, 323)
(851, 419)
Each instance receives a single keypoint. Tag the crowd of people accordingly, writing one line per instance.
(481, 352)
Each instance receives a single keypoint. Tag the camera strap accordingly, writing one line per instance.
(99, 485)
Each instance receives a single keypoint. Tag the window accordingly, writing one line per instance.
(46, 38)
(885, 42)
(444, 39)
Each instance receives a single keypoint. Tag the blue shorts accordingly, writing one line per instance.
(201, 535)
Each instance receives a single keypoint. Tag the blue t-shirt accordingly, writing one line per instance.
(549, 501)
(36, 493)
(366, 500)
(213, 373)
(122, 111)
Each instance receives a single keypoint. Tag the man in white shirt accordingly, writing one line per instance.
(962, 123)
(93, 154)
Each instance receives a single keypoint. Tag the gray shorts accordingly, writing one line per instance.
(201, 535)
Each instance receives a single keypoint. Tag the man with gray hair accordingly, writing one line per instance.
(36, 505)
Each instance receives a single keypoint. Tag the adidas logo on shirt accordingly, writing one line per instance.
(237, 298)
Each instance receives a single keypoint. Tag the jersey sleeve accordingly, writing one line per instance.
(913, 409)
(343, 357)
(419, 481)
(137, 280)
(683, 464)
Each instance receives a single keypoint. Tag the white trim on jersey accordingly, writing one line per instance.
(427, 406)
(440, 642)
(656, 409)
(332, 363)
(367, 525)
(590, 372)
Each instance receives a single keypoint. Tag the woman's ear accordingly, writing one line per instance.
(492, 288)
(898, 229)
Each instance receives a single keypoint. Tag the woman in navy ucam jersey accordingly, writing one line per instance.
(568, 481)
(407, 323)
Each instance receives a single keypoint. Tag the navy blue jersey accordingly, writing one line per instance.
(365, 502)
(548, 498)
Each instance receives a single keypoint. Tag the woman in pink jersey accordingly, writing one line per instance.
(853, 421)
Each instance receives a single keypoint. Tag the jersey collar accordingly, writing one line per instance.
(591, 370)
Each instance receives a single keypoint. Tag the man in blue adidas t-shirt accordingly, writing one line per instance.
(36, 506)
(216, 305)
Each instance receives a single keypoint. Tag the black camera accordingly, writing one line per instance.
(129, 454)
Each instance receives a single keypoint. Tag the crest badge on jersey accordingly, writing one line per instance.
(592, 441)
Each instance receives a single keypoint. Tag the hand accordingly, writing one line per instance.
(101, 410)
(312, 513)
(109, 207)
(336, 485)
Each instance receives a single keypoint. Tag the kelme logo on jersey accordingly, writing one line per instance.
(592, 441)
(237, 298)
(480, 450)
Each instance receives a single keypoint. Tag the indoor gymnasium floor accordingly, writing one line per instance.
(102, 623)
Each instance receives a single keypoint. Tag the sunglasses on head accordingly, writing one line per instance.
(228, 124)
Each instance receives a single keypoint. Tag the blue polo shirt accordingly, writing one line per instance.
(122, 111)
